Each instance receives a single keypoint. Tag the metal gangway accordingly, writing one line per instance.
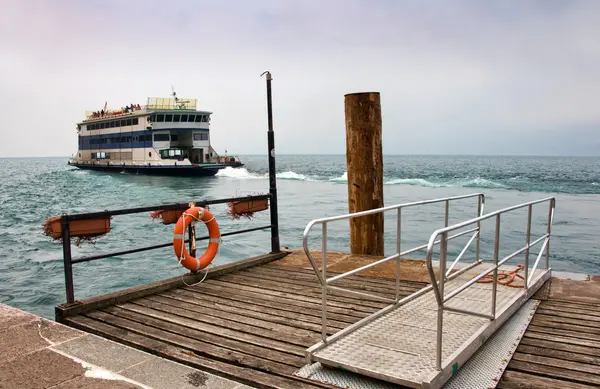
(421, 340)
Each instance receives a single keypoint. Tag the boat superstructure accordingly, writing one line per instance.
(166, 136)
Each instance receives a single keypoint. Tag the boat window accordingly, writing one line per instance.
(123, 123)
(184, 118)
(135, 121)
(161, 137)
(129, 122)
(176, 118)
(160, 118)
(200, 136)
(191, 118)
(168, 118)
(198, 118)
(174, 138)
(205, 118)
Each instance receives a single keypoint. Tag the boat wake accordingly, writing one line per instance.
(477, 182)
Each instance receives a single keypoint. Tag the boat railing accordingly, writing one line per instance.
(66, 219)
(442, 237)
(322, 272)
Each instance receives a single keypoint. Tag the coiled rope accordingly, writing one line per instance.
(505, 278)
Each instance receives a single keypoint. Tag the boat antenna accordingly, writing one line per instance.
(174, 94)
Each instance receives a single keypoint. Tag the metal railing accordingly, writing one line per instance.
(442, 298)
(322, 273)
(66, 241)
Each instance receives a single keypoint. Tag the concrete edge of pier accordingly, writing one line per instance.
(39, 353)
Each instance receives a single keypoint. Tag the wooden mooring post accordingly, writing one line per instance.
(364, 161)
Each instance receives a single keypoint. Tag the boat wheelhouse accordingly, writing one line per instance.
(166, 136)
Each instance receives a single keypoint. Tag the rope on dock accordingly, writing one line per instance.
(505, 278)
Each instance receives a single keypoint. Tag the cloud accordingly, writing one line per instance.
(462, 77)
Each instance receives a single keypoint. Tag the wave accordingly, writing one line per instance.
(465, 182)
(244, 174)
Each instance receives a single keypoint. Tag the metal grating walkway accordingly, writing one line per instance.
(400, 346)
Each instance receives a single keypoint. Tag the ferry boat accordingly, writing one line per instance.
(167, 136)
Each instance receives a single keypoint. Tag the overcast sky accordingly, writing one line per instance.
(456, 77)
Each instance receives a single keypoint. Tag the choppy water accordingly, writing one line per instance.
(31, 274)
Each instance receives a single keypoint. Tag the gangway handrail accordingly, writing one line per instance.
(438, 288)
(322, 273)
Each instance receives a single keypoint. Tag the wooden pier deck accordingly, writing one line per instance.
(252, 322)
(252, 325)
(561, 347)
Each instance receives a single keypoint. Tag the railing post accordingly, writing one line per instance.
(548, 231)
(527, 241)
(275, 248)
(68, 266)
(447, 213)
(398, 251)
(496, 253)
(440, 313)
(477, 244)
(324, 288)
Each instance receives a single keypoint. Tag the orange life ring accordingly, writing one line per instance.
(189, 216)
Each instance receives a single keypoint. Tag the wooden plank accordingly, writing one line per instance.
(307, 316)
(561, 332)
(569, 315)
(575, 304)
(562, 339)
(210, 329)
(312, 282)
(549, 321)
(571, 309)
(274, 315)
(164, 334)
(192, 333)
(314, 291)
(259, 336)
(364, 283)
(314, 285)
(81, 306)
(286, 298)
(541, 342)
(519, 380)
(371, 279)
(566, 355)
(269, 301)
(241, 374)
(566, 320)
(593, 370)
(553, 371)
(210, 314)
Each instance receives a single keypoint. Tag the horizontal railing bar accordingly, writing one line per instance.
(424, 246)
(358, 270)
(466, 312)
(458, 226)
(392, 257)
(359, 294)
(391, 207)
(126, 211)
(158, 246)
